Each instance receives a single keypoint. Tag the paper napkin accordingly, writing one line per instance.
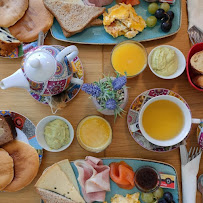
(195, 14)
(189, 179)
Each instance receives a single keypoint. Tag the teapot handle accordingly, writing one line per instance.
(71, 52)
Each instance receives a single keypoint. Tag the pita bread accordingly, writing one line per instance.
(11, 11)
(6, 169)
(26, 164)
(37, 18)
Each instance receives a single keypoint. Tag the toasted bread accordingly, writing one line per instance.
(198, 80)
(197, 62)
(73, 18)
(96, 22)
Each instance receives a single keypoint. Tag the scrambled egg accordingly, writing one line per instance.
(134, 198)
(123, 20)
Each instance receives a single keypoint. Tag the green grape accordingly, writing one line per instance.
(165, 6)
(152, 8)
(147, 197)
(151, 21)
(158, 194)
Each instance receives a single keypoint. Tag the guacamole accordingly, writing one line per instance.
(56, 134)
(164, 61)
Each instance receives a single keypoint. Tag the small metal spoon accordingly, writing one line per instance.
(200, 185)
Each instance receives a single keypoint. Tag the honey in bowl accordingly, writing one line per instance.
(129, 58)
(94, 133)
(163, 120)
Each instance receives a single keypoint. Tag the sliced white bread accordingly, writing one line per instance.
(73, 18)
(96, 22)
(55, 180)
(197, 62)
(52, 197)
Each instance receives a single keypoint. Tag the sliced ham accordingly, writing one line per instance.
(93, 178)
(98, 3)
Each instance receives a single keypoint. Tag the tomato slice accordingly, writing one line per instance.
(133, 2)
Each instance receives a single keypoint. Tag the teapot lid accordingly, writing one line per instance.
(40, 66)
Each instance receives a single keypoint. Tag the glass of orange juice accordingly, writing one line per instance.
(129, 58)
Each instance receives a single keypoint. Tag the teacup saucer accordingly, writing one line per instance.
(73, 89)
(133, 115)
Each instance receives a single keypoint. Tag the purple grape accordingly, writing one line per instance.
(168, 197)
(159, 14)
(171, 15)
(166, 26)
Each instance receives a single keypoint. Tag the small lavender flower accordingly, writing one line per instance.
(119, 82)
(111, 104)
(91, 89)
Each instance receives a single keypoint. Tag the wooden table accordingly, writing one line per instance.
(96, 60)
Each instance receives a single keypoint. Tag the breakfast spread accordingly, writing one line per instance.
(158, 119)
(26, 164)
(94, 133)
(129, 58)
(123, 20)
(164, 61)
(11, 11)
(37, 18)
(56, 134)
(73, 18)
(122, 174)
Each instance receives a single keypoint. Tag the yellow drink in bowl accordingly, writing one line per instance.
(129, 57)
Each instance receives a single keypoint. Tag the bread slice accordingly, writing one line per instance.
(96, 22)
(198, 80)
(73, 18)
(55, 180)
(7, 129)
(197, 62)
(52, 197)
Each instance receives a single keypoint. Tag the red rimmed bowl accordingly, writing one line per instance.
(190, 73)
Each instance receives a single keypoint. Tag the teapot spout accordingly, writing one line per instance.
(17, 79)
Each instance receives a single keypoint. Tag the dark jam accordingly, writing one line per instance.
(146, 178)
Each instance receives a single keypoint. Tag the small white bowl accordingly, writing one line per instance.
(39, 132)
(181, 62)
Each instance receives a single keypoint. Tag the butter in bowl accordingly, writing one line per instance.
(166, 62)
(54, 133)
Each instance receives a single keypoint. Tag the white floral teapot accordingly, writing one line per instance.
(45, 71)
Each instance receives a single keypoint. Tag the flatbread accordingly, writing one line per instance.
(37, 18)
(11, 11)
(26, 164)
(6, 169)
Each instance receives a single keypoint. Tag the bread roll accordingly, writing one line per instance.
(197, 62)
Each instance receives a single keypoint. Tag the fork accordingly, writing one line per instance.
(196, 35)
(193, 152)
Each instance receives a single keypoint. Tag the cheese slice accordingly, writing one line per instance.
(67, 169)
(54, 179)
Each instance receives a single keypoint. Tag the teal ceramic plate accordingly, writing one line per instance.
(25, 130)
(97, 35)
(135, 164)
